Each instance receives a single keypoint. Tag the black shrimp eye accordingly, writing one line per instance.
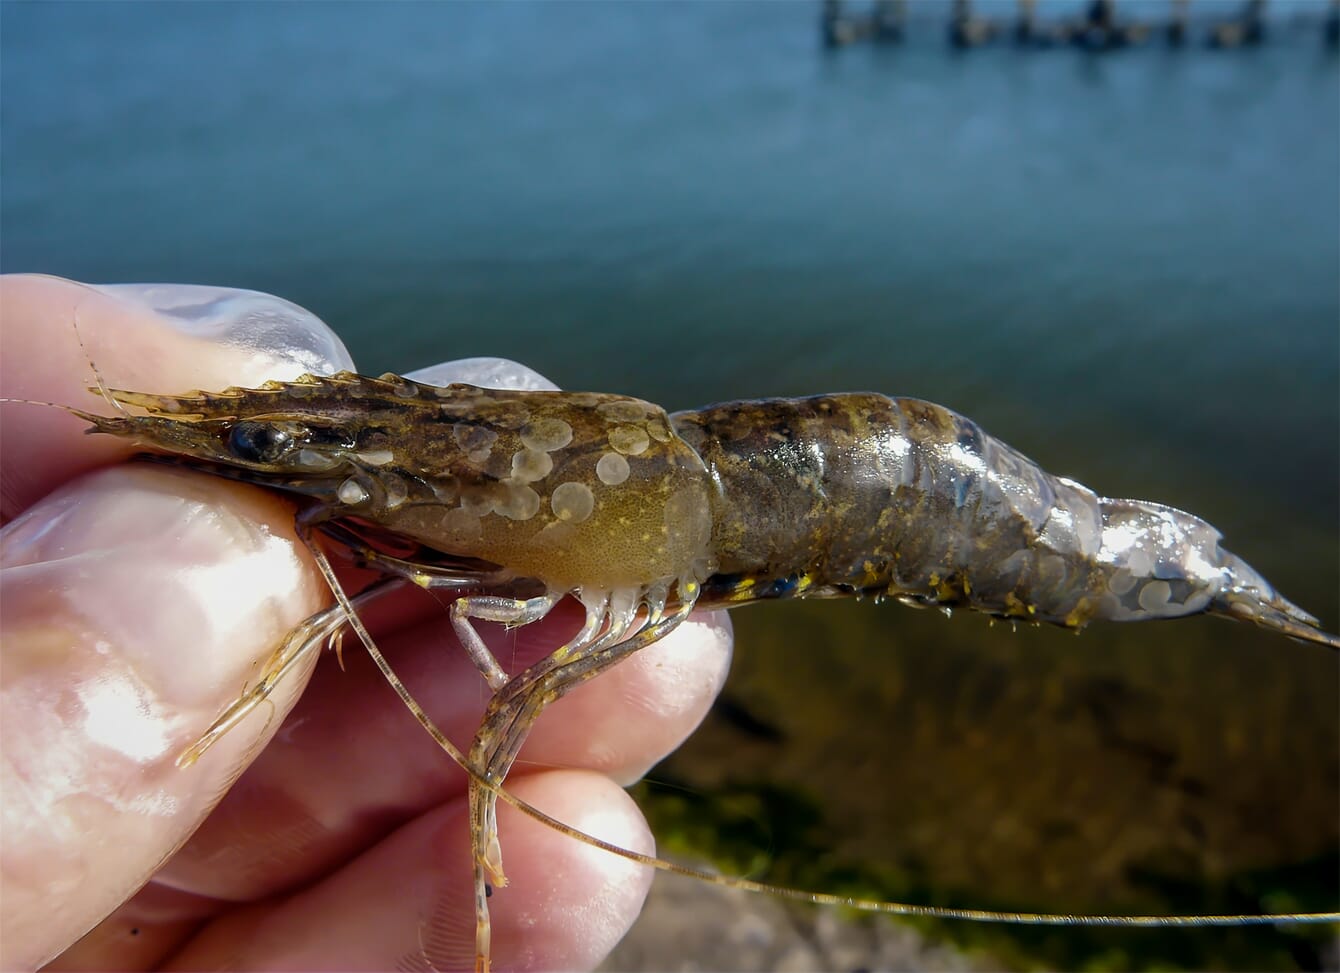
(257, 442)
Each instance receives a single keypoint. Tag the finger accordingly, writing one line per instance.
(402, 905)
(138, 602)
(351, 763)
(140, 933)
(141, 337)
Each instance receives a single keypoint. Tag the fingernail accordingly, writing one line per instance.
(244, 319)
(487, 373)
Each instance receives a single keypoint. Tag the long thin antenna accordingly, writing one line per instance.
(818, 898)
(103, 389)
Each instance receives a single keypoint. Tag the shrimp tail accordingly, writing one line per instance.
(1249, 596)
(1160, 562)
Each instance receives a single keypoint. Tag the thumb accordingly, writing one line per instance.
(139, 602)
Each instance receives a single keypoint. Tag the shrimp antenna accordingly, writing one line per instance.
(103, 389)
(80, 413)
(907, 909)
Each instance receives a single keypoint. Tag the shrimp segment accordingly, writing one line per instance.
(515, 499)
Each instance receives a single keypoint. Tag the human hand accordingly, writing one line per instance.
(139, 600)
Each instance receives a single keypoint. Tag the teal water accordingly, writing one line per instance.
(1089, 254)
(1125, 265)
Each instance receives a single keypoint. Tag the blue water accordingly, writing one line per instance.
(697, 202)
(1128, 265)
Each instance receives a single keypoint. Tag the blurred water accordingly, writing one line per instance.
(697, 202)
(1125, 264)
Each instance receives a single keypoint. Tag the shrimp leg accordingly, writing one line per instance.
(306, 637)
(607, 636)
(513, 712)
(492, 608)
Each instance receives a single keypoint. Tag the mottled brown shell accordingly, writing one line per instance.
(574, 489)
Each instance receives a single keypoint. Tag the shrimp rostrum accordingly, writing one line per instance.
(517, 499)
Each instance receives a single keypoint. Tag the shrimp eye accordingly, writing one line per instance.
(258, 442)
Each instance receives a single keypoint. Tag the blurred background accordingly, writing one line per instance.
(1125, 263)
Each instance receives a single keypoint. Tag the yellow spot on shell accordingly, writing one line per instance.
(952, 587)
(1079, 615)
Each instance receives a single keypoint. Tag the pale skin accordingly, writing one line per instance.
(136, 602)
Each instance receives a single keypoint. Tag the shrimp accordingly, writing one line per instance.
(514, 500)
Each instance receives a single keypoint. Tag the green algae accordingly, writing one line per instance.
(779, 835)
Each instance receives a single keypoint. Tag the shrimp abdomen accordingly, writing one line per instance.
(864, 494)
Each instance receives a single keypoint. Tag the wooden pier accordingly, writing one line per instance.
(1100, 27)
